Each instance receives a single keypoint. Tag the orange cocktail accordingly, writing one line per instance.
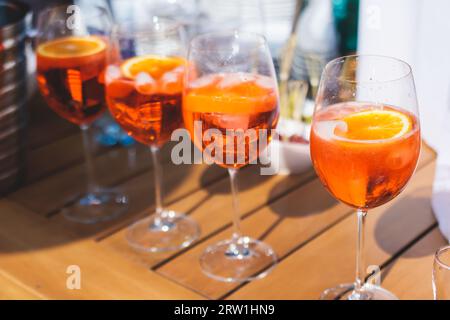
(70, 76)
(364, 154)
(232, 103)
(144, 95)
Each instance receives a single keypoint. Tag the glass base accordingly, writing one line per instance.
(345, 292)
(151, 235)
(246, 260)
(97, 207)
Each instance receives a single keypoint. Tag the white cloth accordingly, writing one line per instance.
(441, 187)
(417, 31)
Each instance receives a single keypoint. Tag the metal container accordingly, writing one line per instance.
(13, 92)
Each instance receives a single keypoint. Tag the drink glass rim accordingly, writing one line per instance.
(99, 10)
(438, 259)
(236, 33)
(154, 27)
(342, 59)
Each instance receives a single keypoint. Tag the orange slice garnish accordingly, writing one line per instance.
(236, 93)
(156, 66)
(71, 47)
(374, 125)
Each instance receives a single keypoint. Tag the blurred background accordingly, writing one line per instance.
(303, 36)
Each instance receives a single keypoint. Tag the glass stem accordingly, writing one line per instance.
(157, 174)
(360, 260)
(234, 194)
(91, 185)
(237, 248)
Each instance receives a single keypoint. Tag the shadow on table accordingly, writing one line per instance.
(305, 200)
(141, 202)
(405, 218)
(401, 219)
(248, 177)
(297, 202)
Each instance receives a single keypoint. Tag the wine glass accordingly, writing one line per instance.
(365, 143)
(441, 274)
(144, 83)
(71, 57)
(230, 107)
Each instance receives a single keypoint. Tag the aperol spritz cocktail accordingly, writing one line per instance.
(144, 96)
(230, 107)
(365, 144)
(71, 53)
(382, 143)
(144, 85)
(239, 105)
(70, 74)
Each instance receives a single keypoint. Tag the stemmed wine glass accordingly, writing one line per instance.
(71, 57)
(144, 83)
(441, 274)
(365, 143)
(230, 107)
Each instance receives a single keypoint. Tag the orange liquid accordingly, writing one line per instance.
(363, 174)
(147, 112)
(242, 104)
(73, 86)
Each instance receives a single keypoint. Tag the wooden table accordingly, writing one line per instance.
(313, 234)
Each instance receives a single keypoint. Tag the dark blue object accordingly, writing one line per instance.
(111, 134)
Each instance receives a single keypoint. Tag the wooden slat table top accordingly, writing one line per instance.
(313, 234)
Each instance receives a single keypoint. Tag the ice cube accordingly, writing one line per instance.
(265, 82)
(204, 81)
(171, 82)
(112, 73)
(326, 129)
(143, 78)
(179, 69)
(235, 79)
(145, 84)
(170, 77)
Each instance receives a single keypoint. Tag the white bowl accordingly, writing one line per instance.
(288, 157)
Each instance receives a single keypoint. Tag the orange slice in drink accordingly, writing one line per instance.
(155, 73)
(374, 125)
(156, 66)
(71, 47)
(71, 52)
(232, 93)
